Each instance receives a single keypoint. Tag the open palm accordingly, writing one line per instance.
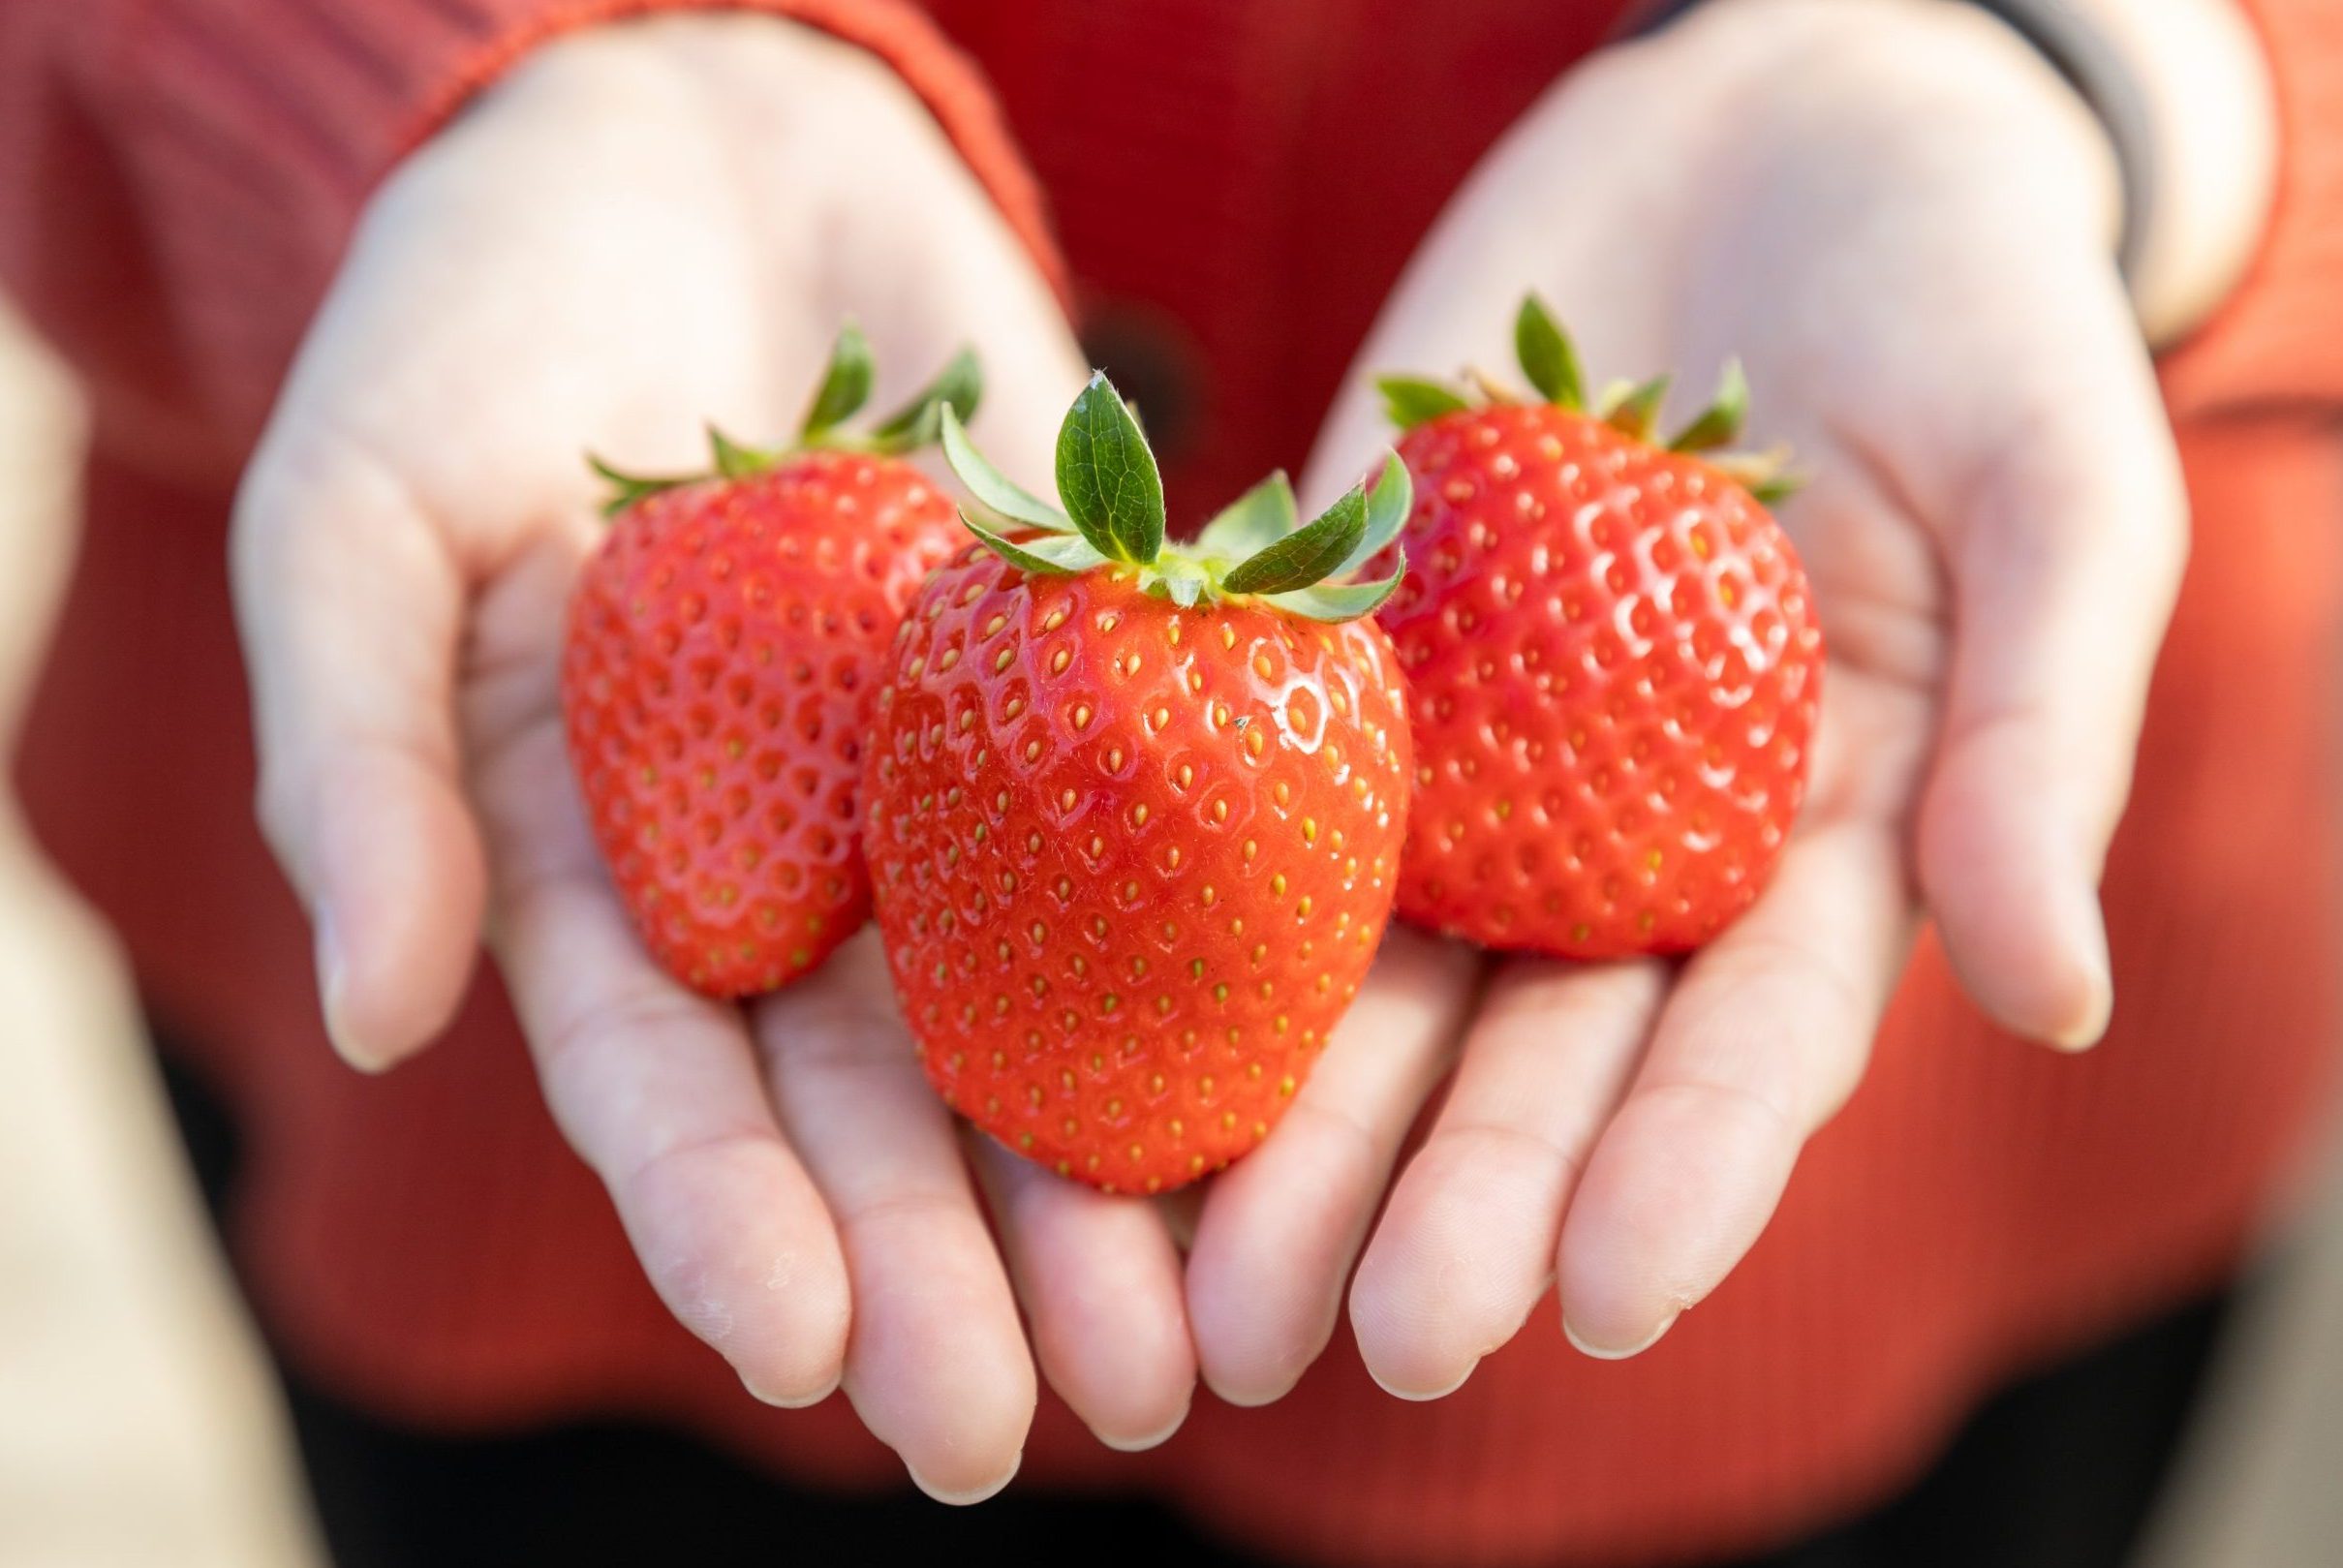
(636, 231)
(1910, 258)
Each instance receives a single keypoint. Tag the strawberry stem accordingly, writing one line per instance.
(1114, 520)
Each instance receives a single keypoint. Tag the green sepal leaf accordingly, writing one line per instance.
(1343, 601)
(1259, 517)
(1107, 477)
(959, 386)
(1719, 423)
(1388, 504)
(626, 489)
(1054, 555)
(993, 489)
(1767, 476)
(845, 385)
(1307, 556)
(1634, 411)
(1548, 357)
(736, 461)
(1409, 401)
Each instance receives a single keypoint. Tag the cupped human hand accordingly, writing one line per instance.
(641, 229)
(1901, 222)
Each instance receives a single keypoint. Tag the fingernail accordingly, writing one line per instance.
(1586, 1347)
(976, 1495)
(1424, 1395)
(332, 979)
(791, 1402)
(1140, 1445)
(2089, 1029)
(2087, 941)
(1246, 1401)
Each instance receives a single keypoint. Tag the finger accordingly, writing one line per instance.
(1279, 1228)
(658, 1090)
(2065, 563)
(937, 1365)
(1101, 1281)
(1466, 1244)
(350, 608)
(1763, 1038)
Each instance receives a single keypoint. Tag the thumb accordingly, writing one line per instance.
(2064, 561)
(350, 607)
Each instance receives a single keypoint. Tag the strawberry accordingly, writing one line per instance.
(1134, 810)
(723, 649)
(1613, 662)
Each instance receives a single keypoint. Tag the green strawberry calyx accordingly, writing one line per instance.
(1110, 517)
(846, 387)
(1550, 361)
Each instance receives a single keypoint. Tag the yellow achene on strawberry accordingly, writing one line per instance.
(1613, 657)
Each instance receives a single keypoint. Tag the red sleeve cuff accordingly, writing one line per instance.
(2279, 339)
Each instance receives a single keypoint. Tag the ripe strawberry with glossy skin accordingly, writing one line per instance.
(722, 651)
(1134, 813)
(1614, 664)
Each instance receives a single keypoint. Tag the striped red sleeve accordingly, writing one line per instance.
(178, 177)
(2279, 339)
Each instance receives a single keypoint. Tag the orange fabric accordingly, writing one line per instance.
(1235, 184)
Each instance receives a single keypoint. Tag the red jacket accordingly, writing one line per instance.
(176, 180)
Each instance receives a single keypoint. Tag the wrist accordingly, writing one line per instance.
(2208, 117)
(857, 107)
(1893, 97)
(2195, 113)
(742, 76)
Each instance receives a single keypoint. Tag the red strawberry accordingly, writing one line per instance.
(1134, 810)
(723, 647)
(1613, 660)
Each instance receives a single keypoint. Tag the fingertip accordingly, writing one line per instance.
(2081, 1021)
(783, 1397)
(804, 1361)
(1253, 1345)
(1400, 1336)
(1586, 1345)
(333, 985)
(1153, 1439)
(1681, 1186)
(1249, 1389)
(1463, 1251)
(969, 1462)
(939, 1372)
(2076, 1015)
(1147, 1404)
(2043, 974)
(2016, 900)
(1258, 1311)
(1421, 1394)
(1100, 1280)
(964, 1496)
(403, 888)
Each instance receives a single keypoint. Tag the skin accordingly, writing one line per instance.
(1910, 253)
(646, 227)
